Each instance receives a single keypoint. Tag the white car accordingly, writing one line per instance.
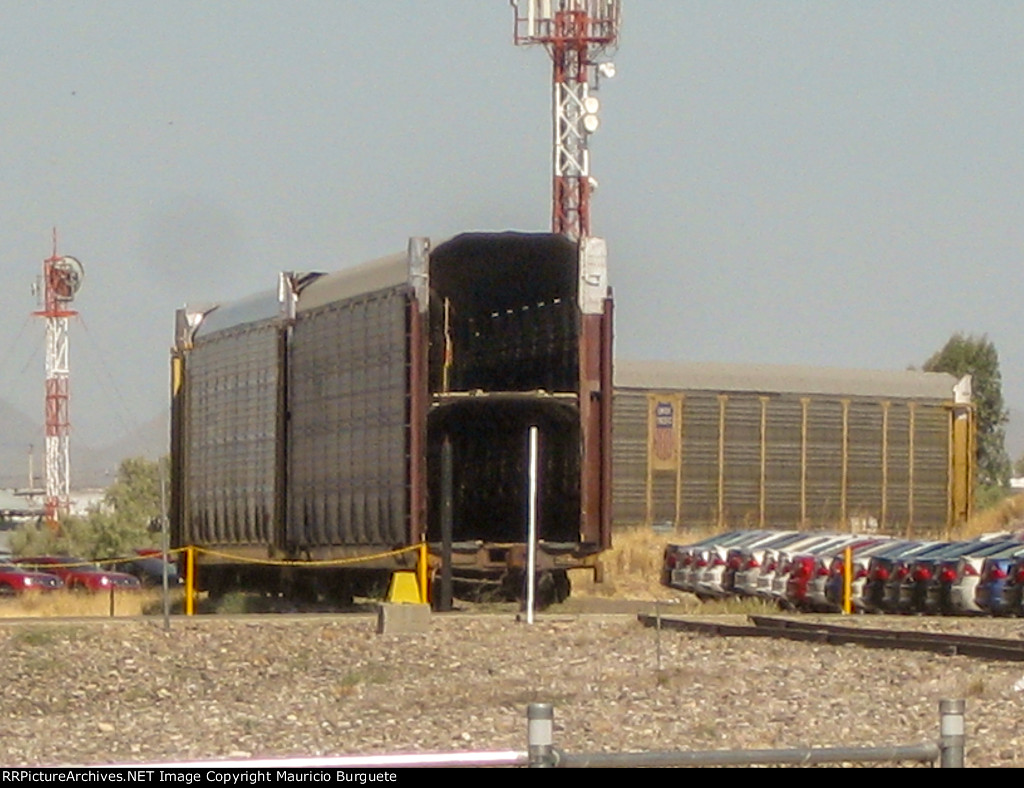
(715, 574)
(968, 573)
(756, 565)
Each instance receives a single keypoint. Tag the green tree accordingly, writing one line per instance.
(110, 530)
(977, 357)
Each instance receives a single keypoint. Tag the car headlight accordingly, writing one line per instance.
(29, 581)
(104, 581)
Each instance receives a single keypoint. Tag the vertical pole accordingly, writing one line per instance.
(444, 604)
(657, 633)
(847, 580)
(722, 400)
(421, 573)
(163, 546)
(531, 546)
(111, 601)
(190, 580)
(762, 487)
(540, 720)
(847, 523)
(910, 469)
(804, 405)
(885, 466)
(951, 733)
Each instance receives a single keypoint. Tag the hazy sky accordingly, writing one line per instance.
(800, 182)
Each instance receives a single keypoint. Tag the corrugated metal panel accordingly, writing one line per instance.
(786, 460)
(231, 436)
(771, 379)
(348, 401)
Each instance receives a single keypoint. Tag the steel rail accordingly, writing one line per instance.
(834, 634)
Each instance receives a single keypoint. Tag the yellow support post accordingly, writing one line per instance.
(848, 581)
(422, 572)
(190, 580)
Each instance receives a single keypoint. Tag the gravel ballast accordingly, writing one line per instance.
(126, 691)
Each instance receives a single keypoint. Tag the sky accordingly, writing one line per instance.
(823, 182)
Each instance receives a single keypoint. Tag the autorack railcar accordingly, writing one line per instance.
(308, 422)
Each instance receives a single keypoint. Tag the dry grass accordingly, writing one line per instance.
(632, 568)
(61, 604)
(1007, 515)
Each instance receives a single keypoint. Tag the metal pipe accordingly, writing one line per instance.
(951, 733)
(190, 580)
(848, 580)
(421, 759)
(540, 719)
(802, 756)
(531, 540)
(444, 604)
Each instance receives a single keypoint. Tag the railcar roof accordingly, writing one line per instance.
(711, 376)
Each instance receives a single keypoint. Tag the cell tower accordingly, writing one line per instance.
(581, 35)
(62, 276)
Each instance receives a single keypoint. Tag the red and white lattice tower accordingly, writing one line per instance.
(580, 35)
(62, 276)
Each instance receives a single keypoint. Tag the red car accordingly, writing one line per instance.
(17, 580)
(77, 573)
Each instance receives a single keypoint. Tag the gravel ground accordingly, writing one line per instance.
(94, 692)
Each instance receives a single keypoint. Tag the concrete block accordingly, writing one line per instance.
(403, 619)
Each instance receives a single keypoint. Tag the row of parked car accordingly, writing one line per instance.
(805, 571)
(50, 573)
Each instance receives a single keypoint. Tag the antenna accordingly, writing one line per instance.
(580, 35)
(62, 276)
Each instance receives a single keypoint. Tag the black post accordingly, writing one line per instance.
(444, 604)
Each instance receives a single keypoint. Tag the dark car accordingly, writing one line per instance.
(922, 589)
(78, 573)
(885, 573)
(149, 569)
(18, 580)
(999, 589)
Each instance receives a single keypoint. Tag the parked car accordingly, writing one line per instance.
(859, 559)
(920, 590)
(714, 580)
(960, 580)
(999, 588)
(793, 579)
(758, 564)
(678, 560)
(825, 566)
(148, 567)
(886, 570)
(78, 573)
(18, 580)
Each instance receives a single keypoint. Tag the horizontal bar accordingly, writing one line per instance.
(403, 760)
(801, 756)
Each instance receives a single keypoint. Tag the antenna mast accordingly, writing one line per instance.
(62, 276)
(580, 35)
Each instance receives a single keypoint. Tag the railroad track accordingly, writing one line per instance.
(1005, 649)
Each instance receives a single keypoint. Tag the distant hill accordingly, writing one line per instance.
(98, 467)
(18, 432)
(90, 466)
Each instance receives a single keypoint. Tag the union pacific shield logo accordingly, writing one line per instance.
(663, 441)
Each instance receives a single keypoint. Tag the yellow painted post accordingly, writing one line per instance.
(190, 580)
(422, 572)
(848, 580)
